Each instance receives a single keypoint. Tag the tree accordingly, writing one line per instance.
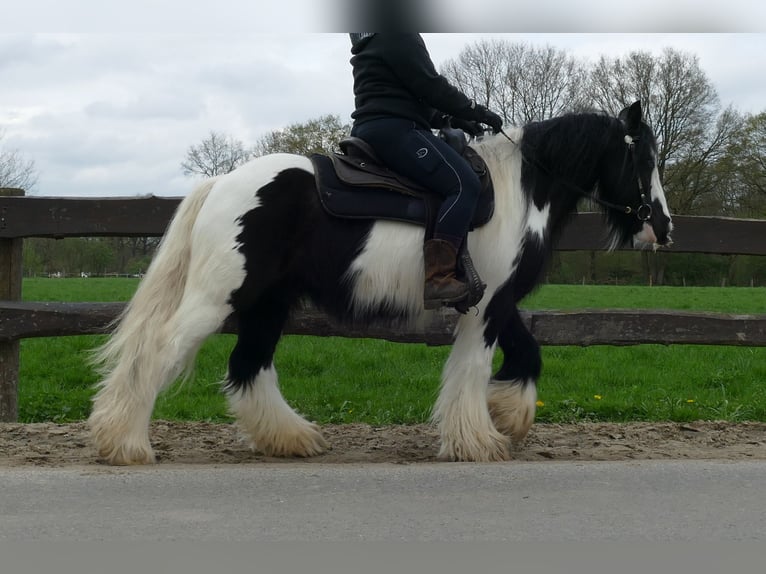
(682, 107)
(698, 181)
(479, 71)
(216, 155)
(15, 170)
(320, 135)
(747, 162)
(522, 83)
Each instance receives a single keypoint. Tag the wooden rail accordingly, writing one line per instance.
(581, 328)
(61, 217)
(22, 217)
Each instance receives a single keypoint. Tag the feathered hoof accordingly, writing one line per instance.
(125, 455)
(493, 447)
(115, 446)
(512, 407)
(303, 441)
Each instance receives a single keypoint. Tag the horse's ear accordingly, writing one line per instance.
(631, 116)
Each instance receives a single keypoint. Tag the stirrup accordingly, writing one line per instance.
(439, 302)
(476, 286)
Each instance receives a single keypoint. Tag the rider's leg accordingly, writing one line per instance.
(426, 159)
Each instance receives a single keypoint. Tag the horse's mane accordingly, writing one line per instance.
(552, 141)
(568, 145)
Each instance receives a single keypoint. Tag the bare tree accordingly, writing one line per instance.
(678, 99)
(16, 170)
(320, 135)
(683, 108)
(215, 155)
(753, 149)
(698, 180)
(546, 83)
(522, 83)
(743, 185)
(480, 72)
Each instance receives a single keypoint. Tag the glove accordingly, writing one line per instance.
(490, 118)
(473, 129)
(439, 120)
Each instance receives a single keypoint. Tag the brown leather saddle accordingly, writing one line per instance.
(354, 184)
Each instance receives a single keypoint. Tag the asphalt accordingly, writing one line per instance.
(553, 501)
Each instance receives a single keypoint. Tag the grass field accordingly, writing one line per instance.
(335, 380)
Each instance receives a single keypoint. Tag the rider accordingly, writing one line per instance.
(399, 97)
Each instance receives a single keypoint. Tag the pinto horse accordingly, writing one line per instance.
(257, 241)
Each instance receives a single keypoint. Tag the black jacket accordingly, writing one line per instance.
(395, 77)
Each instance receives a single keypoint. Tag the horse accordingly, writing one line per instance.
(256, 242)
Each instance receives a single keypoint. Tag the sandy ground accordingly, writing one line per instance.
(51, 445)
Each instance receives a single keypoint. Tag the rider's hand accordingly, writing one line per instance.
(473, 129)
(490, 118)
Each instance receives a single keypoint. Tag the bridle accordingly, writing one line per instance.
(644, 210)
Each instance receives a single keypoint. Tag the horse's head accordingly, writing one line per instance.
(631, 182)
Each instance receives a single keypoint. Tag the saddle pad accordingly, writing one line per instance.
(375, 202)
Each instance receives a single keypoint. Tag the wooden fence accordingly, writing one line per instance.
(22, 217)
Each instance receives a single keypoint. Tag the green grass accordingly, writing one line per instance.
(717, 299)
(91, 289)
(335, 380)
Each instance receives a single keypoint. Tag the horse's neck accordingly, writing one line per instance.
(564, 163)
(567, 157)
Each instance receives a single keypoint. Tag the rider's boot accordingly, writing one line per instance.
(441, 286)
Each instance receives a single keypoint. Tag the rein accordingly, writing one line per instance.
(643, 212)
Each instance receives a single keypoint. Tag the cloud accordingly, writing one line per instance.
(168, 16)
(235, 18)
(90, 107)
(147, 107)
(115, 113)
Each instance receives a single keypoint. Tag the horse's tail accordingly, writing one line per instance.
(145, 351)
(141, 324)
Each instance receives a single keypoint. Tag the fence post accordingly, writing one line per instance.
(10, 290)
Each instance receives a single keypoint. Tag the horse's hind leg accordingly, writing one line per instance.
(512, 395)
(269, 423)
(123, 406)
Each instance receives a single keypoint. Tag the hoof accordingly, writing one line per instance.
(303, 442)
(512, 408)
(124, 455)
(493, 447)
(118, 447)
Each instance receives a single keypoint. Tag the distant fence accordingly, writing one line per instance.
(22, 217)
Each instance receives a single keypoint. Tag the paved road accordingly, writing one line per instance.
(650, 501)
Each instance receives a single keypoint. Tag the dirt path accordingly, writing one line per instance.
(51, 445)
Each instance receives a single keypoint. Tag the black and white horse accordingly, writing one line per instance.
(257, 240)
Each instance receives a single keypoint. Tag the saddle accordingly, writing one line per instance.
(354, 184)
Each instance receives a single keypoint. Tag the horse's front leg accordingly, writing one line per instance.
(461, 412)
(512, 395)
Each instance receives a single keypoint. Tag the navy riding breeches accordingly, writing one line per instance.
(418, 154)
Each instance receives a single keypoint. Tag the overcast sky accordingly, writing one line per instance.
(113, 113)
